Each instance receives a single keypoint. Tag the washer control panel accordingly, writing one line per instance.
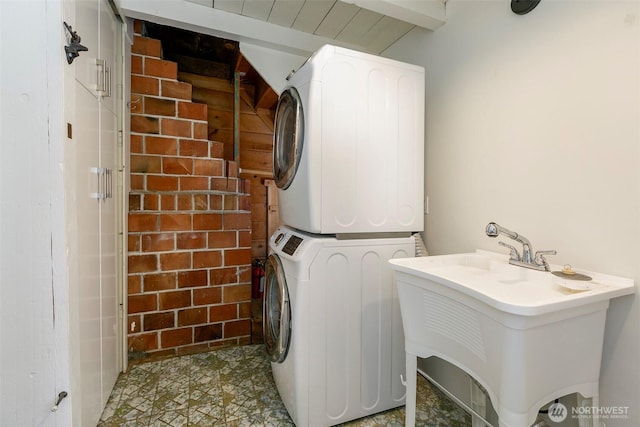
(291, 245)
(287, 241)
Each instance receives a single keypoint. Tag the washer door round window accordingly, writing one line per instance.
(288, 137)
(277, 311)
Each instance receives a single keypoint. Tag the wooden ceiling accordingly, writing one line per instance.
(331, 19)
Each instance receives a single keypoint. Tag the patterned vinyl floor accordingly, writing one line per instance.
(233, 387)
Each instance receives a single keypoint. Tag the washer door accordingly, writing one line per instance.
(288, 137)
(276, 326)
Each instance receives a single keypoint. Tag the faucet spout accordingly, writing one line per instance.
(493, 230)
(527, 260)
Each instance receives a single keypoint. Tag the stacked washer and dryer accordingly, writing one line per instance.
(348, 163)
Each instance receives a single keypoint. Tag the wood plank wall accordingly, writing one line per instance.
(256, 145)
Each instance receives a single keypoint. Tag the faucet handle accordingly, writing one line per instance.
(540, 259)
(514, 254)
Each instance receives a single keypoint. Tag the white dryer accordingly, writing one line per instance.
(332, 325)
(349, 145)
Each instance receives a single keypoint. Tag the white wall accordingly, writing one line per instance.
(534, 122)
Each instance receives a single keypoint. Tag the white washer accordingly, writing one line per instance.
(332, 325)
(349, 145)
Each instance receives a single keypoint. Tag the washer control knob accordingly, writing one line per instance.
(279, 238)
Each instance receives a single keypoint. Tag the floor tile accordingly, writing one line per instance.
(234, 388)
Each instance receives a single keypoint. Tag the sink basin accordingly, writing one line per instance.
(528, 337)
(488, 277)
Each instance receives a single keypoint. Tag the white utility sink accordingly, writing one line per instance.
(528, 337)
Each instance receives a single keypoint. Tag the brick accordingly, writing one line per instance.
(135, 202)
(207, 259)
(145, 164)
(158, 242)
(159, 145)
(200, 130)
(222, 239)
(136, 105)
(145, 124)
(192, 278)
(142, 303)
(150, 202)
(185, 202)
(160, 68)
(133, 243)
(244, 309)
(200, 202)
(207, 296)
(135, 143)
(174, 127)
(136, 181)
(175, 261)
(178, 90)
(136, 64)
(223, 184)
(155, 321)
(232, 169)
(215, 202)
(168, 202)
(175, 222)
(145, 85)
(217, 150)
(134, 324)
(162, 183)
(208, 167)
(231, 202)
(159, 106)
(244, 275)
(142, 342)
(207, 333)
(174, 299)
(191, 240)
(146, 46)
(222, 276)
(176, 337)
(193, 148)
(244, 204)
(236, 293)
(194, 183)
(220, 313)
(237, 328)
(137, 27)
(192, 110)
(177, 166)
(192, 316)
(159, 282)
(142, 263)
(244, 239)
(208, 221)
(234, 221)
(237, 257)
(134, 284)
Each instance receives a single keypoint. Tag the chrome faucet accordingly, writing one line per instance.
(536, 261)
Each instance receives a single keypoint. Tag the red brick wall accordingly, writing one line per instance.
(189, 236)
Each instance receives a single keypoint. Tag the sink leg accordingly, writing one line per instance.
(412, 383)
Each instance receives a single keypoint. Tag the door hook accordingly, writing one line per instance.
(74, 48)
(61, 396)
